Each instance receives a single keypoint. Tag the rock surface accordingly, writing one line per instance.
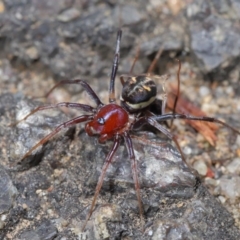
(48, 195)
(52, 198)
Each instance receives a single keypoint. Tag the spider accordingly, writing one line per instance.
(114, 122)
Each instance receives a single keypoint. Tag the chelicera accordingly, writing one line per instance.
(113, 122)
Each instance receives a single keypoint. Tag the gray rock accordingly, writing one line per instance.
(59, 191)
(215, 47)
(8, 192)
(69, 15)
(46, 231)
(81, 35)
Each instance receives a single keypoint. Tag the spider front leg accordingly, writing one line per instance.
(108, 161)
(66, 124)
(83, 107)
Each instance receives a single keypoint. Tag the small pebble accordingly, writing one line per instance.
(68, 15)
(238, 140)
(222, 199)
(201, 167)
(234, 166)
(211, 182)
(210, 108)
(39, 191)
(230, 91)
(204, 91)
(187, 150)
(2, 224)
(230, 187)
(32, 53)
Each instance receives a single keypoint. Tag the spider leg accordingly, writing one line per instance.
(150, 69)
(101, 177)
(66, 124)
(128, 141)
(148, 142)
(153, 122)
(178, 91)
(153, 64)
(183, 116)
(115, 68)
(134, 60)
(124, 76)
(83, 107)
(85, 85)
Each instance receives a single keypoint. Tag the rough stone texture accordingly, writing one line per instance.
(7, 190)
(69, 39)
(77, 34)
(213, 45)
(80, 34)
(53, 197)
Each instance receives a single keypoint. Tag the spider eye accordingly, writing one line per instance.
(101, 121)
